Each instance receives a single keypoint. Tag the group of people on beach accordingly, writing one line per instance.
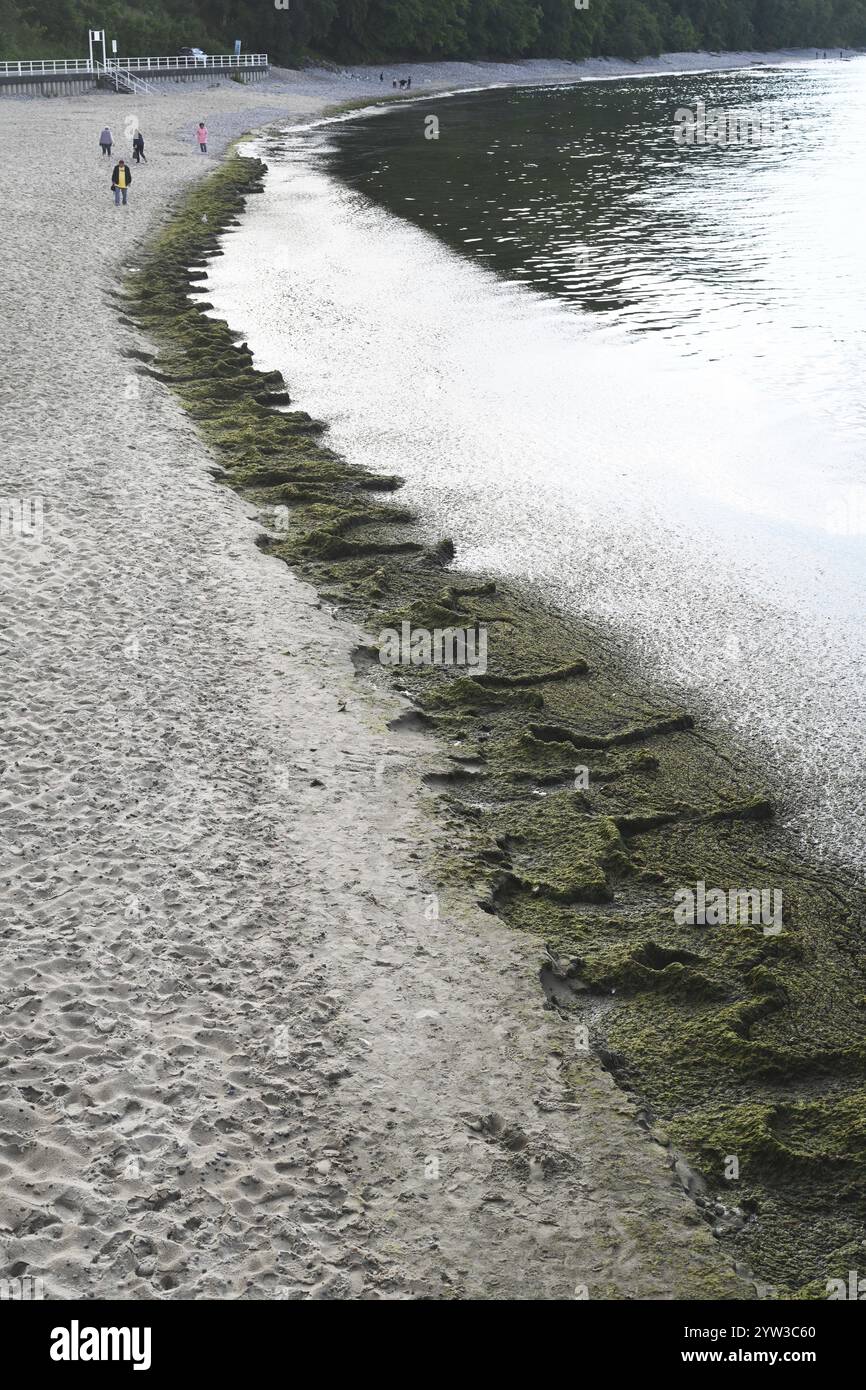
(106, 140)
(398, 82)
(121, 175)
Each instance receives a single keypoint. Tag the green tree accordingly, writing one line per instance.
(633, 30)
(430, 28)
(502, 28)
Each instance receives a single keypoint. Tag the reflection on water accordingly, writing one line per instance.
(745, 252)
(640, 427)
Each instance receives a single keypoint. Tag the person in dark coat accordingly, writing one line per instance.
(121, 178)
(138, 147)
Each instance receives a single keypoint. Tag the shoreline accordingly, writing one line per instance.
(258, 1044)
(697, 1025)
(176, 1156)
(785, 688)
(546, 71)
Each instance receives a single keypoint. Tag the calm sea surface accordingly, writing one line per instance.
(625, 369)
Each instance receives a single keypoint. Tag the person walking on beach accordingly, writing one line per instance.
(121, 178)
(138, 147)
(201, 136)
(106, 140)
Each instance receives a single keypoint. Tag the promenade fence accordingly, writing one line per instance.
(26, 67)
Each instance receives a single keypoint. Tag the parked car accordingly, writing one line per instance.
(197, 53)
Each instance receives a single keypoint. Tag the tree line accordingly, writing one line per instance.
(349, 31)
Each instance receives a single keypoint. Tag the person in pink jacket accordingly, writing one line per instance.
(201, 136)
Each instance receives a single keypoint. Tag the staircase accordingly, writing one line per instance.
(121, 80)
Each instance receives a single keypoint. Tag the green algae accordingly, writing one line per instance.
(562, 852)
(796, 1150)
(596, 800)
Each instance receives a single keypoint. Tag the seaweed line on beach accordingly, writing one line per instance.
(740, 1044)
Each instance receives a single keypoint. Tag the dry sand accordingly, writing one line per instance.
(240, 1056)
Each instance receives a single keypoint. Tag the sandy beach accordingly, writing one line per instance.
(253, 1046)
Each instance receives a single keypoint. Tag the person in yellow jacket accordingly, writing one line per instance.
(121, 178)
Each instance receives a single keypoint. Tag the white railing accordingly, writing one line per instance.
(225, 60)
(133, 84)
(40, 66)
(124, 81)
(25, 67)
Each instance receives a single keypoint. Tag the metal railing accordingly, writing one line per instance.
(209, 60)
(41, 66)
(124, 81)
